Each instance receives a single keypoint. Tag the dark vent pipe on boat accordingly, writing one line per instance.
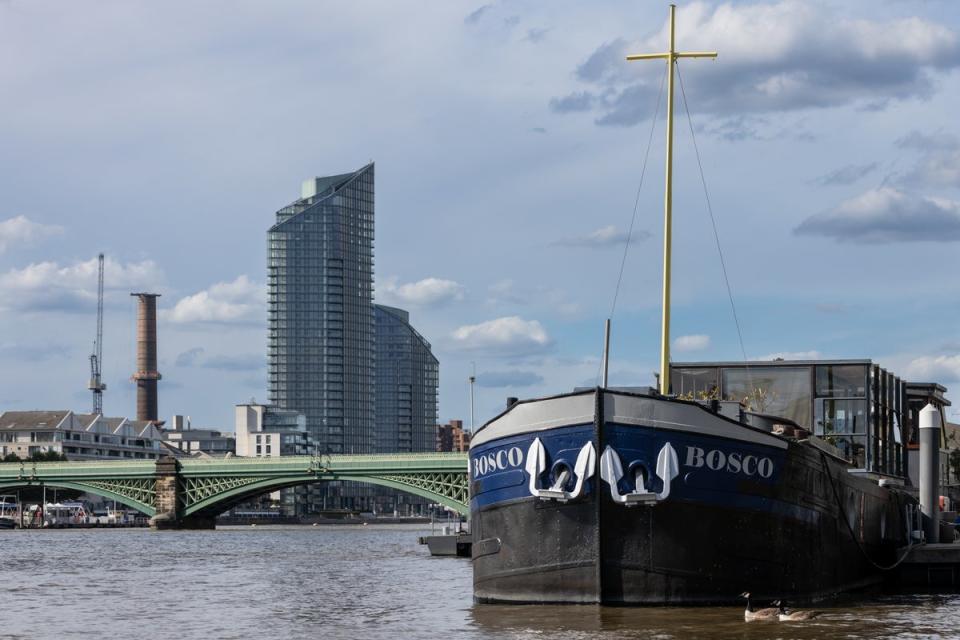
(512, 401)
(930, 472)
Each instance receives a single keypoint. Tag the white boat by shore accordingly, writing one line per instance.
(8, 512)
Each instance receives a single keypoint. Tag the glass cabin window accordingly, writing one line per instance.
(779, 391)
(695, 383)
(843, 423)
(842, 381)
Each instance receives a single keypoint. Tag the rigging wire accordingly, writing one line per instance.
(842, 516)
(636, 205)
(636, 202)
(716, 235)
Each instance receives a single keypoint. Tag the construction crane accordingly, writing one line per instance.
(96, 385)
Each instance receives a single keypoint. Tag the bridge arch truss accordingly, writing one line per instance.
(208, 487)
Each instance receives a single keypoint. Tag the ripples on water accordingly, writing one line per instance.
(344, 582)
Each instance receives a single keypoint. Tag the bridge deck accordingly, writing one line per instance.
(204, 486)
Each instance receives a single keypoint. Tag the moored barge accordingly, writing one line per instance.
(630, 497)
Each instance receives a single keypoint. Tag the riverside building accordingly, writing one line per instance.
(198, 442)
(263, 431)
(406, 393)
(321, 319)
(79, 436)
(407, 375)
(452, 437)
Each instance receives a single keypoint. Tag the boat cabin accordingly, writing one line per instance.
(866, 412)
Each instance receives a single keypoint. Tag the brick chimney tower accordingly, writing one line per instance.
(147, 375)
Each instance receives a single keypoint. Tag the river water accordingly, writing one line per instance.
(343, 581)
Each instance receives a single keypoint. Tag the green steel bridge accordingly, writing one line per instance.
(189, 493)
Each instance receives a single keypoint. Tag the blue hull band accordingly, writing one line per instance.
(713, 470)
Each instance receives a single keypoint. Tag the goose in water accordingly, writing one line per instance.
(751, 614)
(787, 615)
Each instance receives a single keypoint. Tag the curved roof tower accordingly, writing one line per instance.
(320, 310)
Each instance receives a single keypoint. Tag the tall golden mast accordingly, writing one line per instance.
(671, 57)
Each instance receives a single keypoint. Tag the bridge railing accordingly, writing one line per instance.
(340, 463)
(85, 468)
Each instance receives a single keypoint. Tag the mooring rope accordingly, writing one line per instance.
(636, 202)
(853, 534)
(716, 234)
(636, 205)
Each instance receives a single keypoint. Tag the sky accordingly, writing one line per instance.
(512, 144)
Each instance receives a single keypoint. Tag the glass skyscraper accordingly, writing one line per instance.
(320, 312)
(407, 376)
(365, 380)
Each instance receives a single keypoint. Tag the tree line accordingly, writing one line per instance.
(37, 456)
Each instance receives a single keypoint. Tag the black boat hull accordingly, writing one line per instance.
(809, 530)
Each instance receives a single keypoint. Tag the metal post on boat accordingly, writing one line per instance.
(930, 472)
(671, 57)
(606, 353)
(667, 221)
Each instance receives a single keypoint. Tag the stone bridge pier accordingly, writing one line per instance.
(168, 501)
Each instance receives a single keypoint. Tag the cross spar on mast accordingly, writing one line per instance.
(671, 57)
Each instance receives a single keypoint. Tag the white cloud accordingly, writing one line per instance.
(847, 174)
(934, 369)
(741, 127)
(429, 292)
(198, 357)
(239, 301)
(938, 169)
(697, 342)
(501, 379)
(792, 355)
(885, 215)
(22, 231)
(509, 335)
(34, 352)
(938, 141)
(474, 16)
(951, 347)
(939, 161)
(536, 35)
(602, 237)
(190, 357)
(784, 56)
(832, 307)
(46, 286)
(506, 292)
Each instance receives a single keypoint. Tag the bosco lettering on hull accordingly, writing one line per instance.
(494, 461)
(734, 462)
